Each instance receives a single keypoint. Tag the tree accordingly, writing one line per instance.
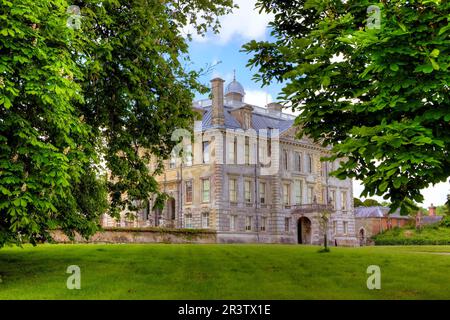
(379, 96)
(357, 202)
(324, 219)
(371, 203)
(78, 102)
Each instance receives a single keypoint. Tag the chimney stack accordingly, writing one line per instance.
(274, 107)
(432, 210)
(218, 117)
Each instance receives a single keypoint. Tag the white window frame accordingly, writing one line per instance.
(287, 224)
(247, 150)
(208, 181)
(248, 223)
(188, 221)
(263, 226)
(262, 192)
(298, 190)
(232, 192)
(233, 222)
(186, 191)
(344, 200)
(310, 194)
(286, 194)
(205, 220)
(247, 191)
(206, 146)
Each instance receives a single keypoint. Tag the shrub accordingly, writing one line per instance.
(436, 234)
(445, 222)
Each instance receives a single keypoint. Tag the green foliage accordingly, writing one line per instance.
(371, 203)
(357, 202)
(75, 103)
(383, 104)
(435, 234)
(445, 222)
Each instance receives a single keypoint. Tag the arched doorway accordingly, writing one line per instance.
(304, 230)
(362, 237)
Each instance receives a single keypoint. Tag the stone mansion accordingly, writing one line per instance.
(247, 177)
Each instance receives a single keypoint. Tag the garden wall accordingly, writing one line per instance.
(147, 235)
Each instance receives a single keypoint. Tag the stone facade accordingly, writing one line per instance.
(251, 180)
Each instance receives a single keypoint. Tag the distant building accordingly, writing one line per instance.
(431, 218)
(250, 179)
(374, 220)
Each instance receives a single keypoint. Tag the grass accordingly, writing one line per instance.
(159, 271)
(429, 235)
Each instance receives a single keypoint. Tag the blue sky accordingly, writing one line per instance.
(243, 25)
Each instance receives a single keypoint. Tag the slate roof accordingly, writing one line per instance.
(259, 121)
(431, 219)
(377, 212)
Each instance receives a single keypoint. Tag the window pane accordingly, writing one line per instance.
(188, 191)
(247, 150)
(233, 223)
(248, 223)
(263, 223)
(188, 221)
(344, 200)
(206, 152)
(298, 192)
(206, 190)
(262, 192)
(286, 194)
(205, 220)
(247, 191)
(287, 224)
(232, 190)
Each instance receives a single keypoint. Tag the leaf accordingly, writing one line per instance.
(397, 183)
(6, 102)
(383, 186)
(425, 68)
(434, 64)
(326, 81)
(394, 67)
(434, 53)
(444, 29)
(402, 26)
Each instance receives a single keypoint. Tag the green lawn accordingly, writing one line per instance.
(163, 271)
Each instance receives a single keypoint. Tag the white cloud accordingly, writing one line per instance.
(257, 97)
(228, 77)
(436, 194)
(245, 23)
